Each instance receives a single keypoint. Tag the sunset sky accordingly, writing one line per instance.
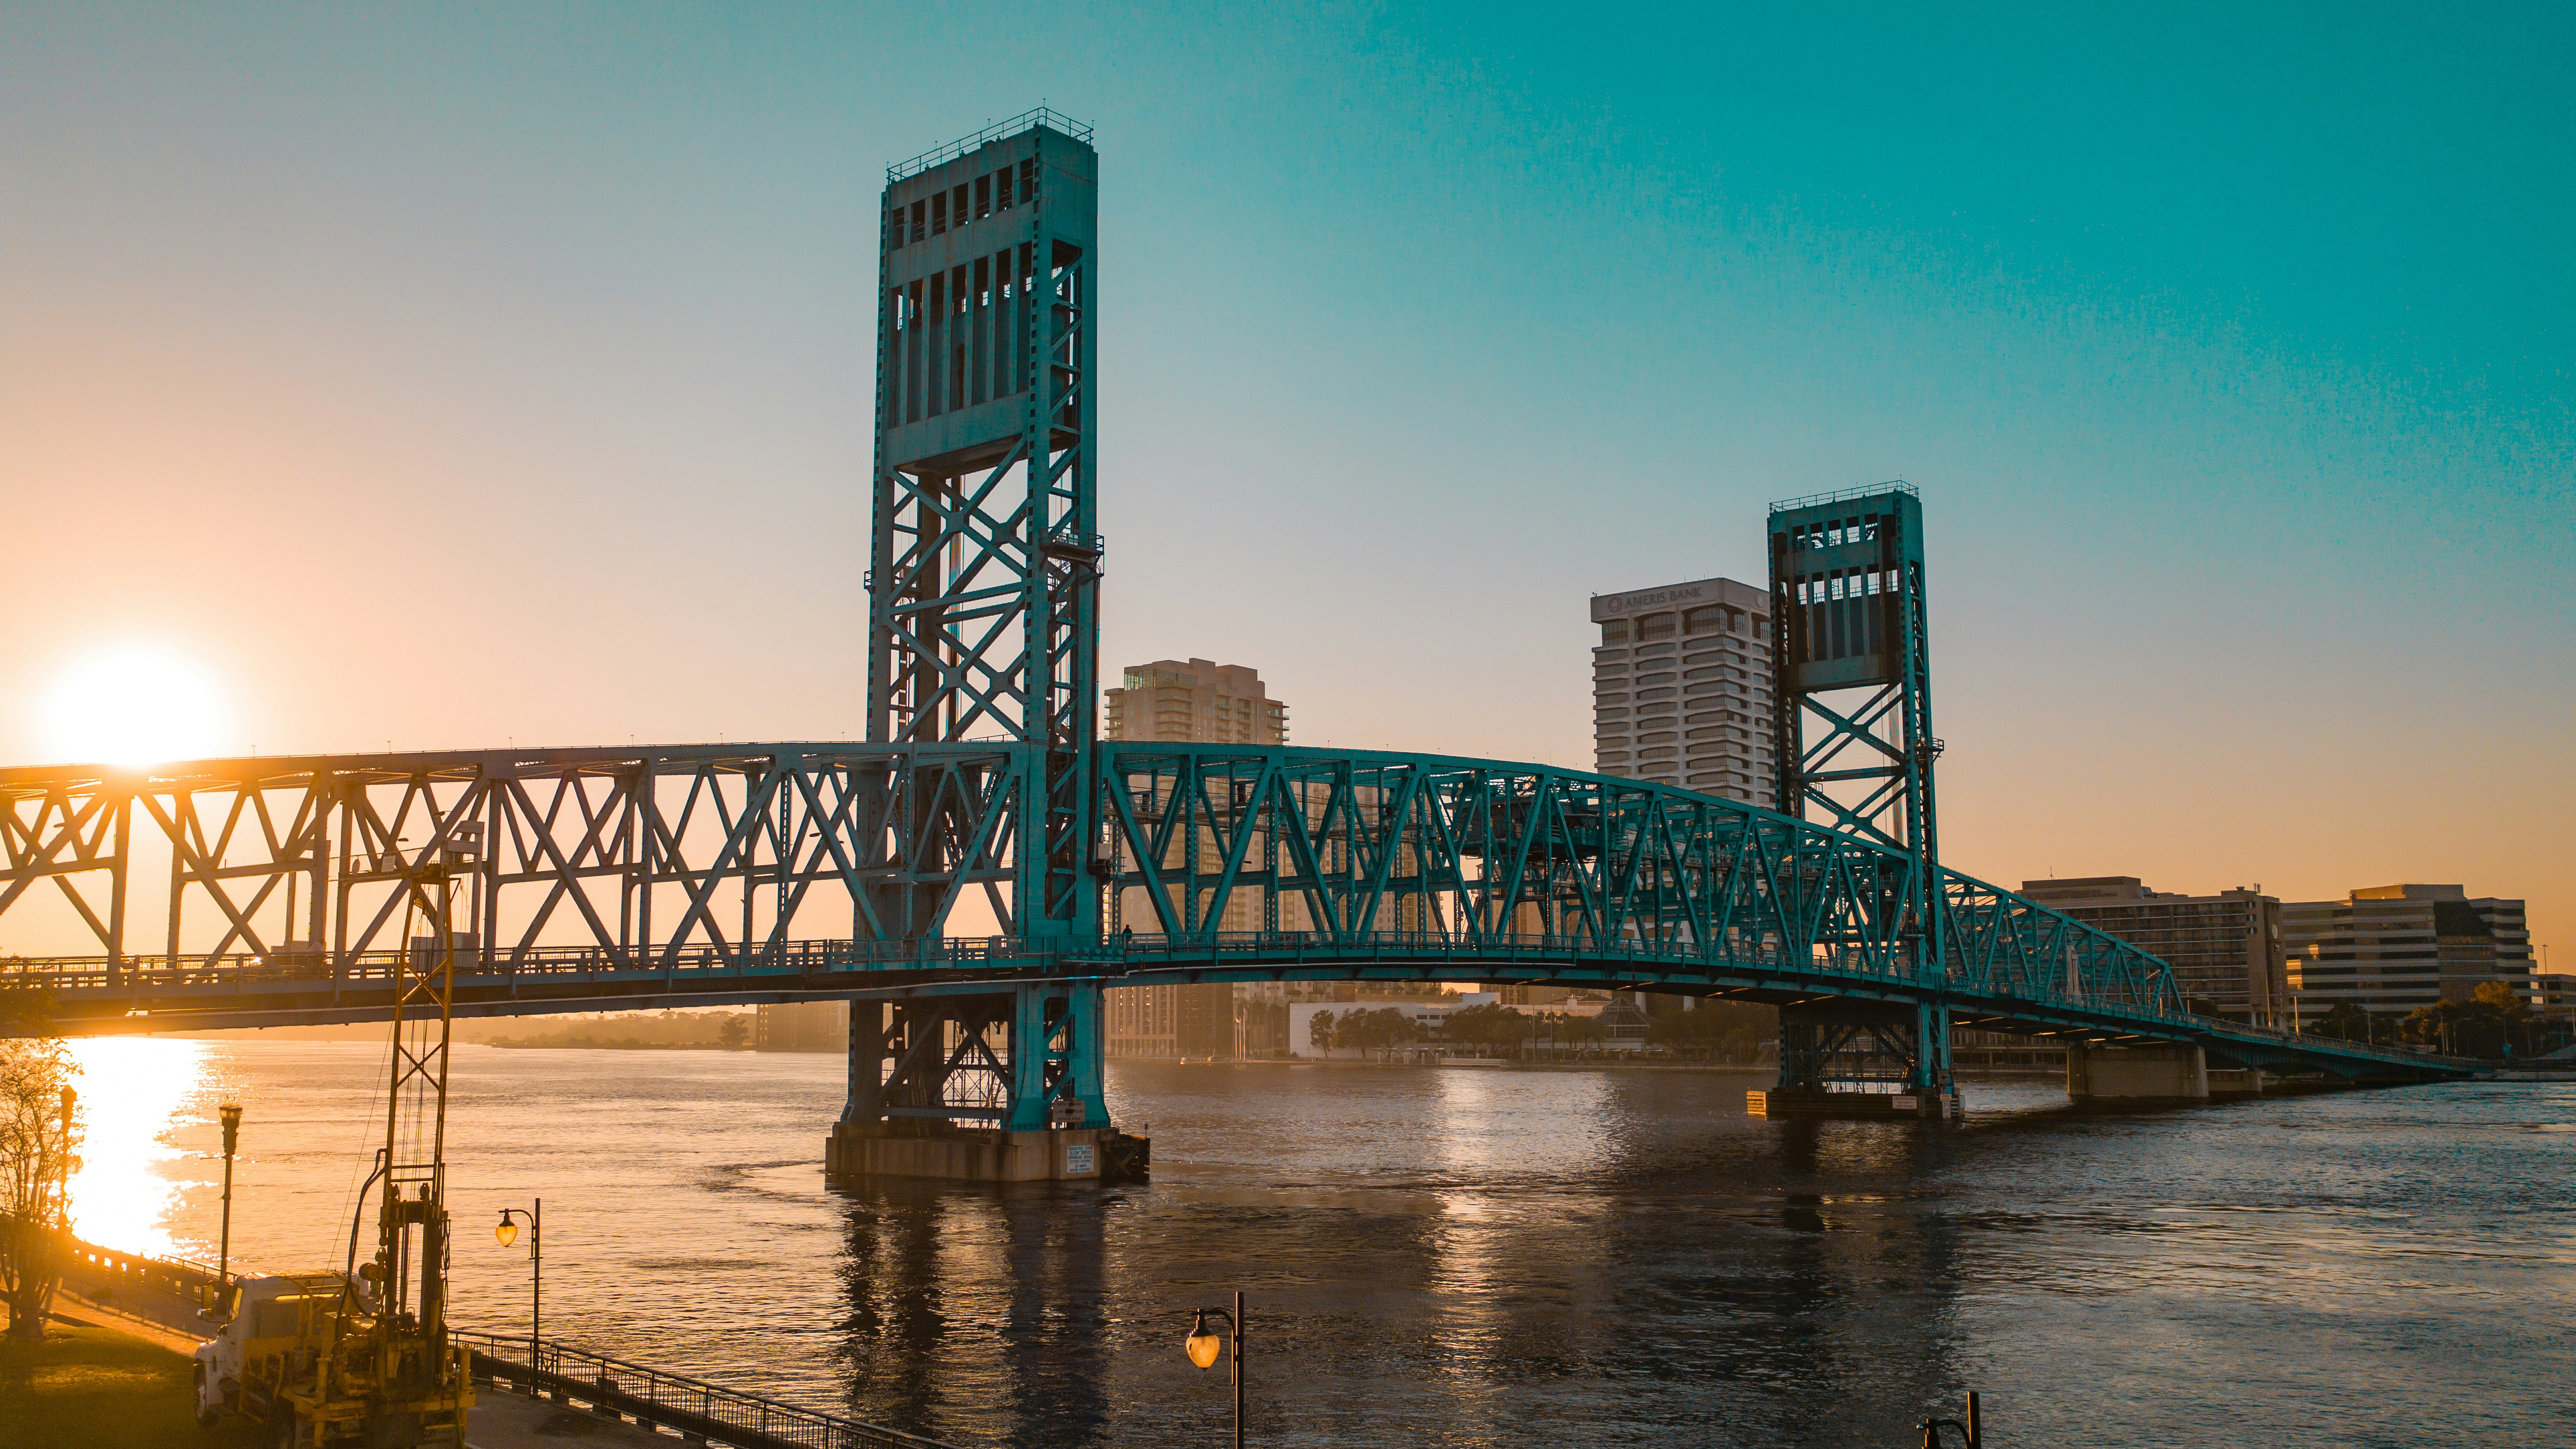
(438, 376)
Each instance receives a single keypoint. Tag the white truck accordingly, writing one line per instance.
(279, 1326)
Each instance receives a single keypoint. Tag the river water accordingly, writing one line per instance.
(1457, 1256)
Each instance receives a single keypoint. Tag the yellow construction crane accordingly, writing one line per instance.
(362, 1358)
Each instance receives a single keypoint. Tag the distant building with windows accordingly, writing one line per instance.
(802, 1026)
(1681, 688)
(2225, 949)
(1195, 700)
(1204, 702)
(2554, 995)
(2397, 947)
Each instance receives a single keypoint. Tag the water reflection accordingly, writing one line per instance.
(1470, 1257)
(132, 1090)
(1562, 1256)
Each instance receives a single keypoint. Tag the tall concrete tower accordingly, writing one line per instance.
(984, 559)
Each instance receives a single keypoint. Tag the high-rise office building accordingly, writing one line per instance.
(2225, 949)
(2397, 947)
(1193, 701)
(1681, 688)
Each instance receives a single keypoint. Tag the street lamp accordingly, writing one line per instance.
(231, 1114)
(1204, 1343)
(507, 1232)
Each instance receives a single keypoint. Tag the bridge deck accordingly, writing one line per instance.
(89, 995)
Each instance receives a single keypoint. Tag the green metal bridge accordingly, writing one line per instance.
(714, 875)
(976, 870)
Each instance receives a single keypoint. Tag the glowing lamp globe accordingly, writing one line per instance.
(507, 1232)
(1204, 1344)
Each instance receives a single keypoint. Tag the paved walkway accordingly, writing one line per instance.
(73, 1308)
(504, 1420)
(499, 1419)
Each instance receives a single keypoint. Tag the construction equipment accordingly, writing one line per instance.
(363, 1358)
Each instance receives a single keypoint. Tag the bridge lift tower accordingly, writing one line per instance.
(1851, 701)
(984, 637)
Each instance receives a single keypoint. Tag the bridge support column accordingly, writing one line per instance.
(998, 1087)
(2162, 1072)
(1932, 1050)
(1055, 1057)
(2227, 1084)
(1861, 1059)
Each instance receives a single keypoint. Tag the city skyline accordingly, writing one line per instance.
(549, 342)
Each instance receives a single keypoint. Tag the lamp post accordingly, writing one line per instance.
(507, 1231)
(1204, 1343)
(231, 1114)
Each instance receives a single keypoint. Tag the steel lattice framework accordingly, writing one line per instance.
(273, 889)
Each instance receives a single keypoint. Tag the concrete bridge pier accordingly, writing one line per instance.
(2158, 1072)
(2229, 1084)
(993, 1087)
(1862, 1060)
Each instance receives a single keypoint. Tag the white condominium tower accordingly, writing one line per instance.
(1681, 688)
(1196, 701)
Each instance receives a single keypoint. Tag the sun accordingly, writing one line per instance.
(133, 706)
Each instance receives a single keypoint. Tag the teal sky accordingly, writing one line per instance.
(453, 376)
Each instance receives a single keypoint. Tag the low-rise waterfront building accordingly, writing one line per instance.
(1548, 995)
(2398, 947)
(802, 1026)
(2554, 995)
(2226, 949)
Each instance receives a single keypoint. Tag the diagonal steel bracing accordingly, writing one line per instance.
(770, 872)
(984, 554)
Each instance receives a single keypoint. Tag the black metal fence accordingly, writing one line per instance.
(693, 1407)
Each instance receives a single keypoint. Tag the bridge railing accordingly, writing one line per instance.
(1489, 955)
(695, 1408)
(1115, 953)
(532, 962)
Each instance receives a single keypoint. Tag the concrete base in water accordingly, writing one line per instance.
(2160, 1073)
(2229, 1085)
(939, 1150)
(1854, 1106)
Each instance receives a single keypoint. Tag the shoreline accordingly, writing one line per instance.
(1489, 1064)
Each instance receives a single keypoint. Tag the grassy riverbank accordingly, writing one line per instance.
(86, 1386)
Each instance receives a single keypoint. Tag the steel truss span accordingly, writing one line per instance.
(265, 891)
